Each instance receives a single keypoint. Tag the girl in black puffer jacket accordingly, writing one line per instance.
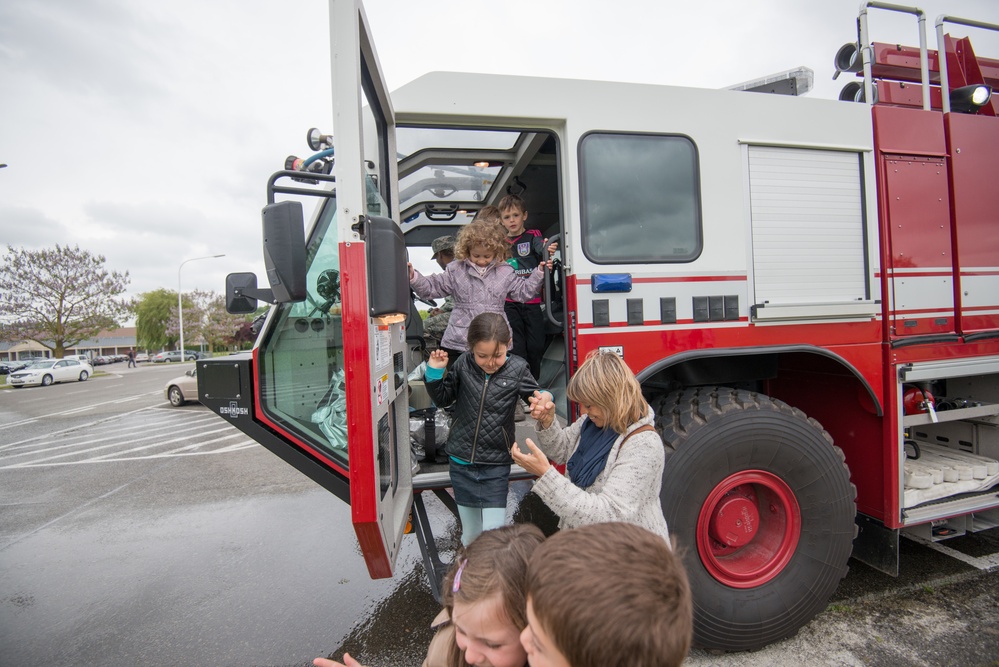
(486, 387)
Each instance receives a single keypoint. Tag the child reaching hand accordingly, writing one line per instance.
(485, 601)
(479, 280)
(486, 386)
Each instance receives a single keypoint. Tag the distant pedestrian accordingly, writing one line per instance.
(131, 359)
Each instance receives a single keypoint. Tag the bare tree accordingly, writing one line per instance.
(60, 296)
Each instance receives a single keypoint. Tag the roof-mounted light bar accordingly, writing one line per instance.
(797, 81)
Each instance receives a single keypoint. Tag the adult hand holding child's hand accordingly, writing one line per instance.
(542, 407)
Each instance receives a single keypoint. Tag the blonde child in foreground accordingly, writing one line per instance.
(485, 598)
(607, 594)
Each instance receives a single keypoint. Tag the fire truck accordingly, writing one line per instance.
(807, 290)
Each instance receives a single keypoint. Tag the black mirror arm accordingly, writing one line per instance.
(255, 293)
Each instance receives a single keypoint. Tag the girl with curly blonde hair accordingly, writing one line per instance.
(479, 280)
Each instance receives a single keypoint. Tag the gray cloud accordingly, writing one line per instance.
(94, 49)
(30, 228)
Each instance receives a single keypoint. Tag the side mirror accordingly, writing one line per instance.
(238, 288)
(284, 259)
(284, 250)
(386, 249)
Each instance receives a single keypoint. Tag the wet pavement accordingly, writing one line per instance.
(223, 556)
(228, 559)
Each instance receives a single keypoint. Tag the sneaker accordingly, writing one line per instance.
(518, 416)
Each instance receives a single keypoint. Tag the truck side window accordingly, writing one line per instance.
(302, 379)
(640, 198)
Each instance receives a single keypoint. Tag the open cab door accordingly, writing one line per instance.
(326, 386)
(374, 291)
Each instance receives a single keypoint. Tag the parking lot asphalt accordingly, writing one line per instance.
(132, 532)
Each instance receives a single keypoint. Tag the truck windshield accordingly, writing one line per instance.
(301, 360)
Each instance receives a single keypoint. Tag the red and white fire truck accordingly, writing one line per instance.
(808, 291)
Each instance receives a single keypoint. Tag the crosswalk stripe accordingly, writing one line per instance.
(132, 436)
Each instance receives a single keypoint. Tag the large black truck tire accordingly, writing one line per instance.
(760, 505)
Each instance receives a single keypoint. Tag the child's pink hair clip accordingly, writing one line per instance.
(457, 576)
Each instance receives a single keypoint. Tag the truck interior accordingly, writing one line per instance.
(446, 175)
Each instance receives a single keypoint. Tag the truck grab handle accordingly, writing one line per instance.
(547, 293)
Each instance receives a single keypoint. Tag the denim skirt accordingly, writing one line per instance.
(480, 486)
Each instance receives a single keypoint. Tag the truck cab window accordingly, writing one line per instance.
(640, 198)
(302, 386)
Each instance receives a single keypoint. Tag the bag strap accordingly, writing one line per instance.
(640, 429)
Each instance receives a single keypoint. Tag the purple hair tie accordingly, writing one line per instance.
(457, 576)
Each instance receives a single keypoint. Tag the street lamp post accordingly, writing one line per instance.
(180, 295)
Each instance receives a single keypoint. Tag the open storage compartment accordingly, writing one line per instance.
(950, 448)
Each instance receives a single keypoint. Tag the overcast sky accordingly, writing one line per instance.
(145, 131)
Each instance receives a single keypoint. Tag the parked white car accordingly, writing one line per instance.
(79, 357)
(46, 371)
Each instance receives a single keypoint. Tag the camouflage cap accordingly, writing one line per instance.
(442, 243)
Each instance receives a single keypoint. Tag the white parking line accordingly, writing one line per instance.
(77, 410)
(26, 421)
(73, 411)
(200, 444)
(126, 400)
(160, 443)
(146, 428)
(983, 563)
(166, 455)
(144, 425)
(68, 428)
(75, 451)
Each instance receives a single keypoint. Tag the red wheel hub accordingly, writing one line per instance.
(748, 528)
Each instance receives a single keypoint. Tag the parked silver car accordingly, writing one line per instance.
(169, 357)
(182, 389)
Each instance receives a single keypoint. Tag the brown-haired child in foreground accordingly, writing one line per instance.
(606, 594)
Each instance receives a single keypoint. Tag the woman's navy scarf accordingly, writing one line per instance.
(590, 457)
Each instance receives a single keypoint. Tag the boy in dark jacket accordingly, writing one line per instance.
(486, 387)
(527, 247)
